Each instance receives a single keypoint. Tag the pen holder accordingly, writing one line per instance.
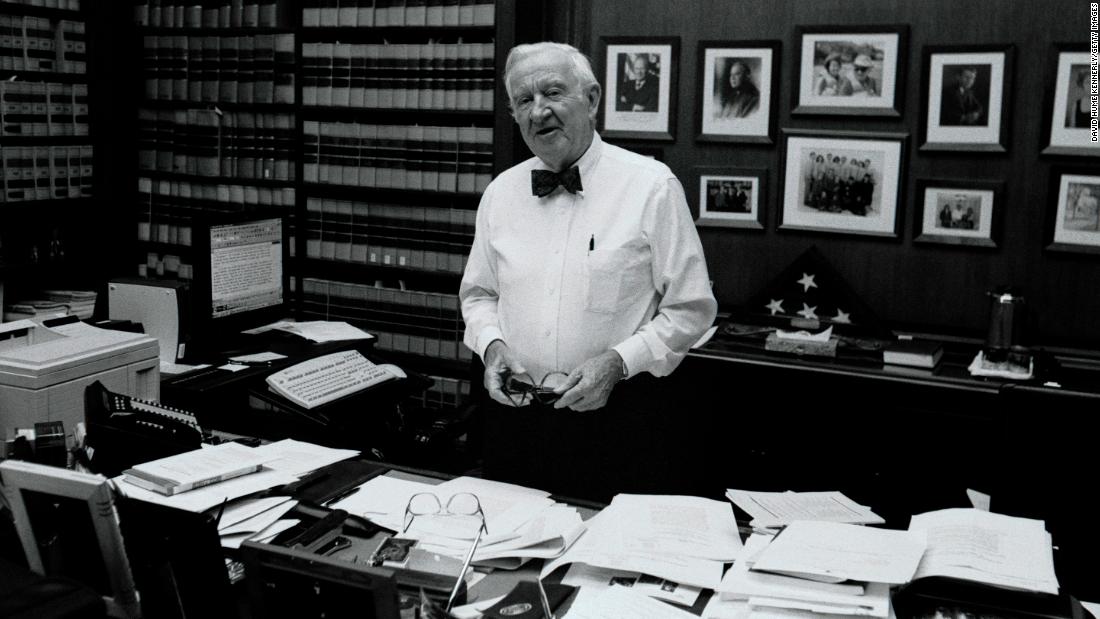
(1006, 323)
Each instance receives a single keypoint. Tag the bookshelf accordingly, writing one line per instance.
(377, 126)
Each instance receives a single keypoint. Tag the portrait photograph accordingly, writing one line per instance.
(965, 107)
(850, 70)
(639, 87)
(1076, 222)
(842, 182)
(736, 81)
(731, 197)
(956, 212)
(1069, 126)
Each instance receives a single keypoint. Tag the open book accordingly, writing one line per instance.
(328, 377)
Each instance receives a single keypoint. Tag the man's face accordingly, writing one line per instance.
(966, 79)
(553, 112)
(641, 67)
(737, 75)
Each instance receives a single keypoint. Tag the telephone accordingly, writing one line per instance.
(122, 431)
(329, 377)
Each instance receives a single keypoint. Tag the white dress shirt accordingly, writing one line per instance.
(533, 281)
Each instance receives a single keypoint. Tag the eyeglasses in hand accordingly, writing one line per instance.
(520, 388)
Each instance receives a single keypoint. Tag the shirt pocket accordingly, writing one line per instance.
(615, 276)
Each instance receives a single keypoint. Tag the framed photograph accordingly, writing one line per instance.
(640, 87)
(1075, 224)
(965, 107)
(738, 83)
(957, 212)
(1070, 127)
(850, 70)
(842, 181)
(731, 197)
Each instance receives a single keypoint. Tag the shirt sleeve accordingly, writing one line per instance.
(687, 306)
(479, 291)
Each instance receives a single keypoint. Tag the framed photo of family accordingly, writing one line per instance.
(965, 107)
(738, 82)
(957, 212)
(850, 70)
(731, 197)
(842, 181)
(1074, 221)
(639, 87)
(1070, 127)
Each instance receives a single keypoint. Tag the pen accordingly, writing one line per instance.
(343, 495)
(592, 243)
(221, 510)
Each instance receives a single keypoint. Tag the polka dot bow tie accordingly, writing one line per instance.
(543, 182)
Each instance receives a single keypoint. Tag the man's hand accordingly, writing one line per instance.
(589, 386)
(498, 358)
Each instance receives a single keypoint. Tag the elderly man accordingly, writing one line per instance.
(586, 270)
(640, 92)
(742, 96)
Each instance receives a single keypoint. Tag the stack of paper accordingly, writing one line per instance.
(778, 509)
(823, 567)
(298, 458)
(255, 519)
(679, 539)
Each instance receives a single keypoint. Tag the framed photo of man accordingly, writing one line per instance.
(842, 181)
(965, 107)
(1071, 122)
(639, 99)
(957, 212)
(1074, 221)
(731, 197)
(737, 86)
(850, 70)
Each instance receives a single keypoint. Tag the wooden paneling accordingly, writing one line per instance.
(937, 287)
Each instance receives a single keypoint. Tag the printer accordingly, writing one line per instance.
(44, 368)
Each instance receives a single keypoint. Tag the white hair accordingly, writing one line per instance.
(582, 68)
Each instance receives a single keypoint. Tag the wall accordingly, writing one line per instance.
(937, 287)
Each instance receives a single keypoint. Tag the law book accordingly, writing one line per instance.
(311, 14)
(195, 469)
(245, 70)
(348, 14)
(284, 68)
(310, 150)
(324, 60)
(358, 80)
(915, 353)
(228, 59)
(341, 74)
(263, 66)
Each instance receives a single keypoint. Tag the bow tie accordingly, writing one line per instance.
(543, 182)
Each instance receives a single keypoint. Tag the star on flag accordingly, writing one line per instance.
(807, 282)
(776, 306)
(808, 312)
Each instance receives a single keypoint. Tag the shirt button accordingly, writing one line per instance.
(547, 333)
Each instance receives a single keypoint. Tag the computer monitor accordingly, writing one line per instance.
(292, 583)
(240, 279)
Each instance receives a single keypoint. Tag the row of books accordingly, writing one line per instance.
(45, 172)
(452, 76)
(383, 13)
(398, 156)
(207, 13)
(246, 69)
(165, 208)
(30, 43)
(408, 321)
(213, 143)
(43, 108)
(427, 238)
(68, 5)
(165, 265)
(445, 393)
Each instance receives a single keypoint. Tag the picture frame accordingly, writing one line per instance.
(84, 503)
(957, 212)
(850, 70)
(639, 108)
(964, 91)
(817, 196)
(1073, 220)
(1068, 128)
(730, 197)
(737, 91)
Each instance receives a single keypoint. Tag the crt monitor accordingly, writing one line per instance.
(241, 278)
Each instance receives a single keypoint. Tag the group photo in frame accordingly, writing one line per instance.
(842, 181)
(731, 197)
(1068, 130)
(1075, 222)
(964, 93)
(738, 82)
(957, 212)
(850, 70)
(640, 76)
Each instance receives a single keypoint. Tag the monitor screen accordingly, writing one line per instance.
(246, 266)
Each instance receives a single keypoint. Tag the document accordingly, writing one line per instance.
(836, 552)
(777, 509)
(194, 469)
(546, 536)
(241, 510)
(507, 507)
(994, 549)
(260, 521)
(618, 602)
(298, 457)
(667, 524)
(877, 605)
(580, 575)
(206, 497)
(382, 500)
(717, 608)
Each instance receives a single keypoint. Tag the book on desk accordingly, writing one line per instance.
(913, 353)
